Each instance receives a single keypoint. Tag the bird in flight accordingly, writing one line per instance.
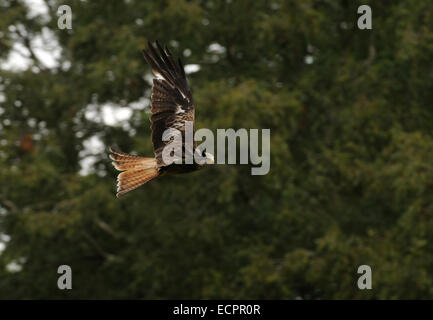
(171, 107)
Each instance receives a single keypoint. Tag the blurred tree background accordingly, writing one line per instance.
(351, 179)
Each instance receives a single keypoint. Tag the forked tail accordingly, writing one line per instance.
(136, 170)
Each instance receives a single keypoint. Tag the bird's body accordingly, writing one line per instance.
(171, 108)
(180, 168)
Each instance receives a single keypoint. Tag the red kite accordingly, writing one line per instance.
(171, 107)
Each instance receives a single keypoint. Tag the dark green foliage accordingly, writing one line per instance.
(351, 179)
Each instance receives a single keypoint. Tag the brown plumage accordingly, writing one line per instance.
(171, 106)
(136, 170)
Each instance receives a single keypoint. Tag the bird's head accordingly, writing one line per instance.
(207, 158)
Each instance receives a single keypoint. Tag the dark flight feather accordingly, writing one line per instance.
(171, 104)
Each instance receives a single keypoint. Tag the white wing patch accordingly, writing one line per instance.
(179, 110)
(183, 95)
(159, 76)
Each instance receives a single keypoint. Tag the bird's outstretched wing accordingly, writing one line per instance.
(172, 103)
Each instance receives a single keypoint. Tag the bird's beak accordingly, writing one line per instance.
(210, 159)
